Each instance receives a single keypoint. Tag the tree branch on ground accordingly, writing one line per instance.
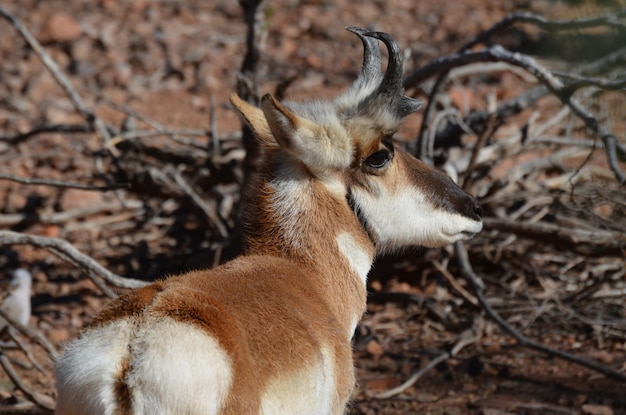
(67, 252)
(477, 286)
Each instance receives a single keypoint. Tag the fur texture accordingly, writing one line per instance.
(269, 332)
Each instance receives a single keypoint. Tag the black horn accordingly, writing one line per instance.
(391, 86)
(370, 71)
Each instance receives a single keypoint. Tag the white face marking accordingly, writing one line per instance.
(360, 260)
(408, 219)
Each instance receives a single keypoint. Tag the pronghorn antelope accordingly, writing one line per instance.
(269, 332)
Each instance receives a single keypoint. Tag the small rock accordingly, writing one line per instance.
(60, 28)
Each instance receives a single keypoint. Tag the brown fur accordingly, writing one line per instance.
(122, 392)
(287, 308)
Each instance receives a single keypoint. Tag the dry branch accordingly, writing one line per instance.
(564, 91)
(12, 219)
(21, 346)
(477, 285)
(209, 211)
(32, 335)
(548, 232)
(39, 399)
(42, 129)
(247, 78)
(608, 20)
(468, 337)
(66, 251)
(59, 183)
(82, 108)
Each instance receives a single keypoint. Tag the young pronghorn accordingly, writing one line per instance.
(269, 332)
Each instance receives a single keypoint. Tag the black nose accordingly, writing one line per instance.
(478, 211)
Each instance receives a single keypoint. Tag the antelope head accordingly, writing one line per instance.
(347, 145)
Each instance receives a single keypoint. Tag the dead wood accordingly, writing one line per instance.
(63, 81)
(477, 286)
(66, 251)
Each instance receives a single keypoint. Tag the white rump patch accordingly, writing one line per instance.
(175, 368)
(87, 371)
(178, 369)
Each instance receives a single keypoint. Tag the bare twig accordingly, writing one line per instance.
(548, 231)
(423, 144)
(554, 85)
(608, 20)
(82, 108)
(490, 128)
(39, 399)
(174, 134)
(210, 212)
(56, 128)
(469, 336)
(479, 118)
(66, 251)
(247, 79)
(454, 283)
(59, 183)
(24, 348)
(444, 65)
(32, 335)
(473, 280)
(11, 219)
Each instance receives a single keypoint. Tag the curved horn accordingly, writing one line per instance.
(391, 85)
(370, 70)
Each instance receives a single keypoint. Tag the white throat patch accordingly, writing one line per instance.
(359, 259)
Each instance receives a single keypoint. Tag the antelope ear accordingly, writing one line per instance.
(309, 142)
(255, 119)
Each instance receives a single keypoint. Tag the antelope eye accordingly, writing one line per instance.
(378, 160)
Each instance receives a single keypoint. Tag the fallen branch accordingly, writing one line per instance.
(60, 183)
(608, 20)
(477, 285)
(49, 63)
(209, 211)
(42, 129)
(469, 336)
(12, 219)
(551, 232)
(66, 251)
(39, 399)
(32, 335)
(478, 119)
(21, 346)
